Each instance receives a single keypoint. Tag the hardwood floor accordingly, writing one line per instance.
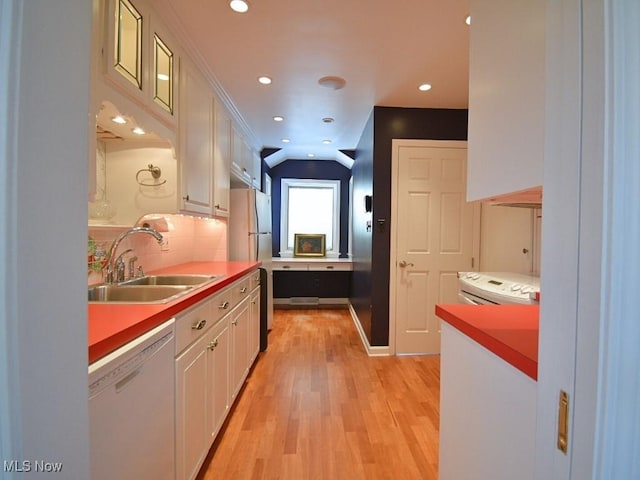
(316, 406)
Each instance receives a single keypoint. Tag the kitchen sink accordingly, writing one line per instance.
(137, 293)
(192, 280)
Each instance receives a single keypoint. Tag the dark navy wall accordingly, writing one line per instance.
(316, 170)
(362, 172)
(372, 175)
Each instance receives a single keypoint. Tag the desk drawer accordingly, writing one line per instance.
(330, 267)
(289, 266)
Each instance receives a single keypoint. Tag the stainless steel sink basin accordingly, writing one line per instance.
(194, 280)
(137, 293)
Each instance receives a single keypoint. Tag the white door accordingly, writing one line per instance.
(433, 237)
(506, 239)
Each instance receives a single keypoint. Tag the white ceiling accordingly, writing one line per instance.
(383, 49)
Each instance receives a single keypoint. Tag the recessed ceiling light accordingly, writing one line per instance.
(327, 120)
(468, 20)
(311, 155)
(424, 87)
(138, 131)
(326, 142)
(333, 83)
(264, 80)
(239, 6)
(278, 118)
(120, 120)
(285, 140)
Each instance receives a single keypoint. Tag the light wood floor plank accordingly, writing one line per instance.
(316, 406)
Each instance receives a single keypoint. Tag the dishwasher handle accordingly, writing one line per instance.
(122, 384)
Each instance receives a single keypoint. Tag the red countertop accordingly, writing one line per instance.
(509, 331)
(112, 325)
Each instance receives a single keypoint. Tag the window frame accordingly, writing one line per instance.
(285, 185)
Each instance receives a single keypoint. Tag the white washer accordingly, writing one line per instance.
(498, 288)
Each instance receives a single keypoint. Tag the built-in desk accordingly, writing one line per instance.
(308, 281)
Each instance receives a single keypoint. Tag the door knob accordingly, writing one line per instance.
(403, 264)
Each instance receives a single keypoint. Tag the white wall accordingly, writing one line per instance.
(131, 200)
(43, 214)
(505, 234)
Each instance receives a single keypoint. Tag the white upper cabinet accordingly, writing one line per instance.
(205, 146)
(506, 97)
(239, 162)
(221, 161)
(245, 162)
(196, 141)
(256, 164)
(139, 59)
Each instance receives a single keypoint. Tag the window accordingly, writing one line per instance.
(310, 206)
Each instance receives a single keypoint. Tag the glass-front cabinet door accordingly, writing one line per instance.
(128, 42)
(140, 57)
(162, 74)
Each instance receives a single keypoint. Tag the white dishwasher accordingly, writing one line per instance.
(131, 404)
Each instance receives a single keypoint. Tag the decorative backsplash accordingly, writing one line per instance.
(186, 239)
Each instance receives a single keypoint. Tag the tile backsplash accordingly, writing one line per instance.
(187, 239)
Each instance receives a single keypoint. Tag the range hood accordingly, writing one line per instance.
(531, 198)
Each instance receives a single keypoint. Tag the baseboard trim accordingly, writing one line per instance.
(383, 351)
(310, 301)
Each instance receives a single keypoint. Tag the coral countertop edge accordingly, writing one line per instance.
(509, 331)
(111, 325)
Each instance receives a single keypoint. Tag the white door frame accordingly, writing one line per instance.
(45, 128)
(396, 144)
(589, 307)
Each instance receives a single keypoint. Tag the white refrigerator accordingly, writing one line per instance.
(250, 236)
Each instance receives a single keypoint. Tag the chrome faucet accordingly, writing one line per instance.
(111, 258)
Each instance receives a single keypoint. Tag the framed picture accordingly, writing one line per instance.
(309, 245)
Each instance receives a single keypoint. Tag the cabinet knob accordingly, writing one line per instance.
(243, 290)
(234, 322)
(213, 345)
(199, 325)
(223, 305)
(186, 198)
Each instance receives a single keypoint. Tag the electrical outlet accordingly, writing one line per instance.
(164, 247)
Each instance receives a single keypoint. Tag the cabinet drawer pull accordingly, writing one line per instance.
(243, 290)
(213, 345)
(199, 325)
(329, 267)
(286, 267)
(223, 305)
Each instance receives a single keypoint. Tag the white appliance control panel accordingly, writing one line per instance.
(500, 287)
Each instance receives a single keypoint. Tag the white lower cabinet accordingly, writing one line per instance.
(191, 405)
(487, 413)
(240, 318)
(218, 396)
(212, 362)
(254, 331)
